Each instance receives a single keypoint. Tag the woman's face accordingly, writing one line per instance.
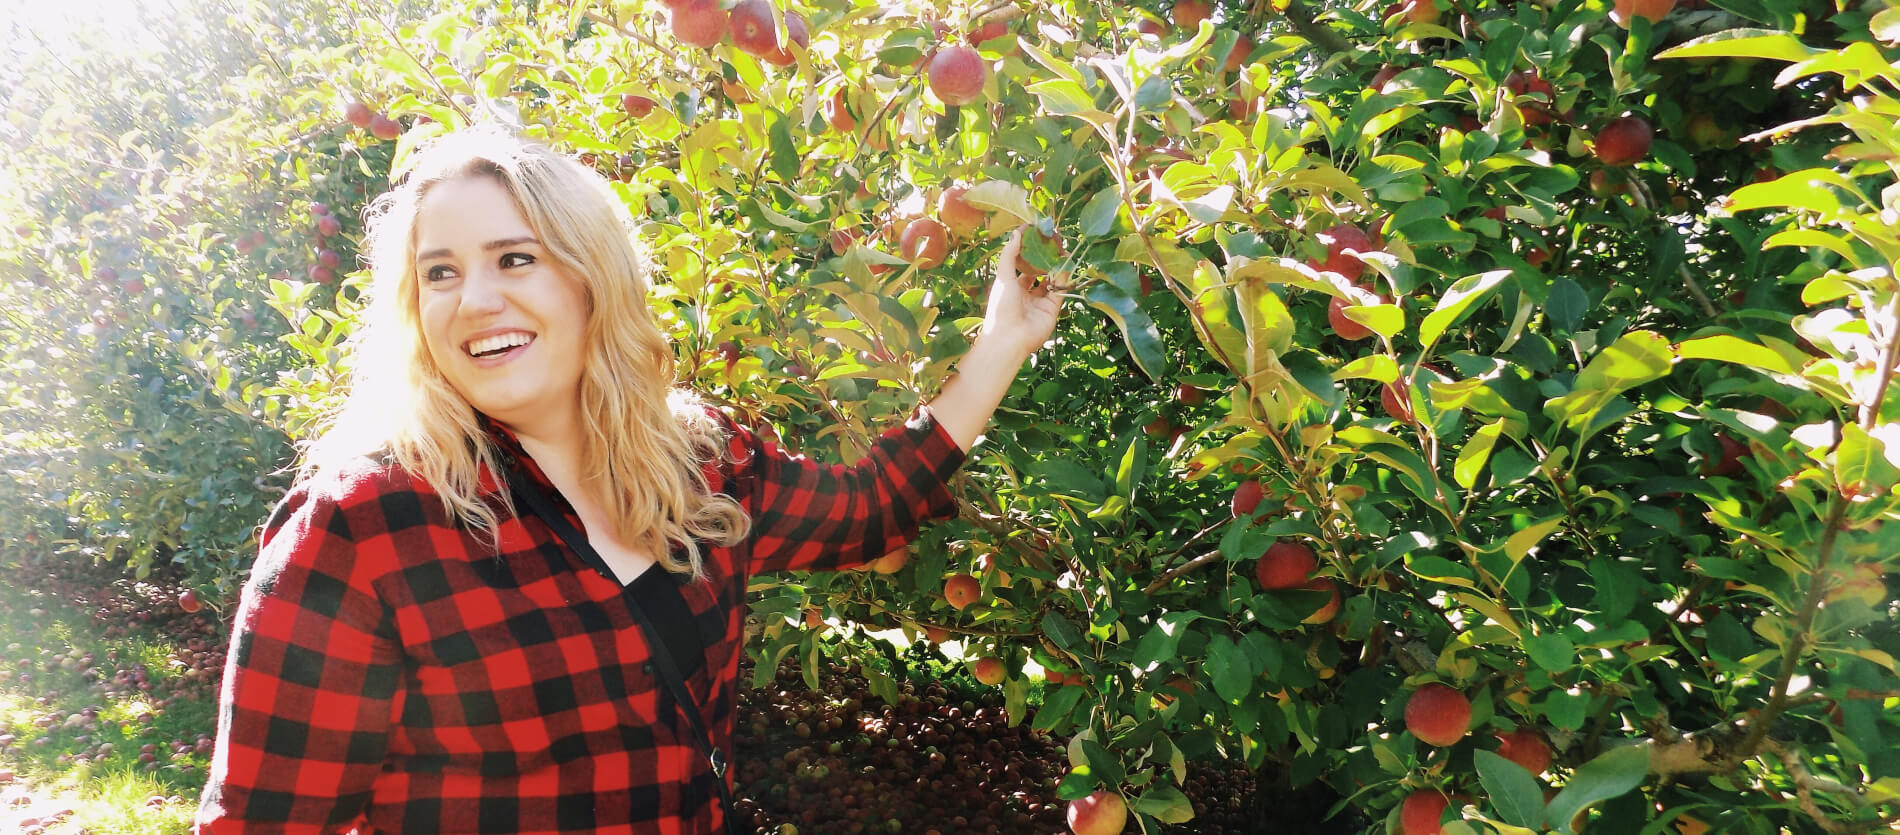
(502, 321)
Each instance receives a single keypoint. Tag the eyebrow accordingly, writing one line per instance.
(504, 243)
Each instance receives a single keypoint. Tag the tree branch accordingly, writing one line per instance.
(1301, 18)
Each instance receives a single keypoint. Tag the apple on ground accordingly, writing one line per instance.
(1438, 715)
(1103, 812)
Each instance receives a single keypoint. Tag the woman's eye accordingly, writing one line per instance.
(438, 272)
(516, 259)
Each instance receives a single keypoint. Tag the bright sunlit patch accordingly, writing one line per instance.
(74, 26)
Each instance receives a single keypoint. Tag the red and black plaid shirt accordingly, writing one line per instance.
(388, 674)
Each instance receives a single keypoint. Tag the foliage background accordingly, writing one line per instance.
(1642, 510)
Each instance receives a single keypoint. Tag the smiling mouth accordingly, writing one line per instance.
(495, 346)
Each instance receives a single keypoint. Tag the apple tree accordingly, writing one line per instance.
(1473, 416)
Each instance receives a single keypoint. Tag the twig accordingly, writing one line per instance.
(1806, 784)
(1302, 21)
(1168, 576)
(1695, 289)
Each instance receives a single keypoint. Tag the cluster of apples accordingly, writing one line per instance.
(378, 124)
(1440, 715)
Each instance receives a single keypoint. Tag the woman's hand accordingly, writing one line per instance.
(1022, 311)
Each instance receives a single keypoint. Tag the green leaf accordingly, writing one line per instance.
(1061, 631)
(1133, 467)
(1798, 190)
(1452, 306)
(1003, 196)
(1552, 651)
(1137, 327)
(1521, 542)
(1378, 367)
(1611, 774)
(1736, 350)
(1383, 319)
(1057, 707)
(1862, 463)
(1856, 64)
(1743, 43)
(1233, 669)
(784, 154)
(1440, 570)
(1637, 358)
(1164, 802)
(1566, 305)
(1476, 452)
(1098, 216)
(1511, 788)
(1062, 97)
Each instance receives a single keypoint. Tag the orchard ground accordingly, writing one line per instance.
(108, 692)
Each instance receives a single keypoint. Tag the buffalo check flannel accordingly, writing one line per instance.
(389, 674)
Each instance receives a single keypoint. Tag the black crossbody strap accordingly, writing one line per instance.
(663, 661)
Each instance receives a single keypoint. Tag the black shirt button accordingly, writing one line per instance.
(647, 668)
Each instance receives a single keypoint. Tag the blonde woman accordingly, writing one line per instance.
(506, 593)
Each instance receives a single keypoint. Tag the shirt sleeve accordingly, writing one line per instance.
(809, 516)
(311, 679)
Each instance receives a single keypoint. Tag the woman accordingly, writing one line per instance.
(443, 629)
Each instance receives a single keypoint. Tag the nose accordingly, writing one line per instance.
(482, 291)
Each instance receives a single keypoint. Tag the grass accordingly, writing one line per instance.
(51, 621)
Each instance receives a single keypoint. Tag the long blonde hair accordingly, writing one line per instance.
(644, 438)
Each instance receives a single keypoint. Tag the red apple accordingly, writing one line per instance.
(1331, 609)
(1346, 328)
(1731, 461)
(892, 562)
(1528, 82)
(1526, 748)
(958, 215)
(188, 601)
(1247, 497)
(838, 115)
(1101, 813)
(1397, 402)
(961, 590)
(698, 23)
(384, 128)
(1159, 427)
(956, 75)
(1285, 565)
(924, 243)
(1624, 140)
(357, 113)
(1187, 395)
(1188, 14)
(1340, 238)
(987, 32)
(1383, 77)
(1652, 10)
(636, 106)
(328, 226)
(1421, 812)
(1438, 715)
(329, 258)
(990, 670)
(1414, 11)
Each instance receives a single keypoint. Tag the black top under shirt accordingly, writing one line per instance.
(657, 593)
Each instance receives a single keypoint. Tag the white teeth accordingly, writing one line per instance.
(496, 343)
